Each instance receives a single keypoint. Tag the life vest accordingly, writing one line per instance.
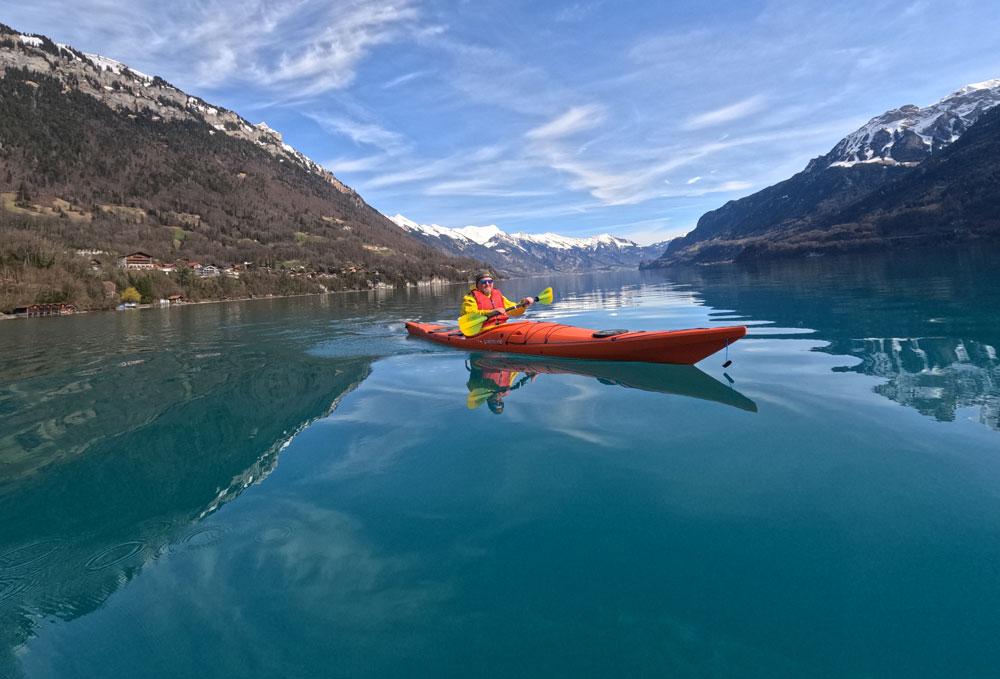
(494, 301)
(504, 379)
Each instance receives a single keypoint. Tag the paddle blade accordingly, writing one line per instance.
(477, 397)
(545, 296)
(470, 324)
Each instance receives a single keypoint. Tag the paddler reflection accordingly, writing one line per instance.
(490, 384)
(494, 376)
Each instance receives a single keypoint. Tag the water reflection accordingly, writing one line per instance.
(935, 375)
(929, 327)
(494, 377)
(114, 460)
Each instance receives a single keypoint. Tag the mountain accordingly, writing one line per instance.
(95, 156)
(909, 134)
(798, 216)
(525, 253)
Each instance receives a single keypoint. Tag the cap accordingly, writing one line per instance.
(483, 274)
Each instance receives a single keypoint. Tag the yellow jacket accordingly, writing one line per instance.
(469, 305)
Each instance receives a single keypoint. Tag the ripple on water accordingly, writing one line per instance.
(33, 554)
(274, 533)
(113, 555)
(204, 537)
(12, 587)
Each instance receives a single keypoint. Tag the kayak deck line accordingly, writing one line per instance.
(686, 346)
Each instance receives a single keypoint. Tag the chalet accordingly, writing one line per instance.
(208, 271)
(137, 260)
(175, 298)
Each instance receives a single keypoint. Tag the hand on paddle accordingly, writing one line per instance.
(472, 323)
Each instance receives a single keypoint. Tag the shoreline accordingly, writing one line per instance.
(146, 307)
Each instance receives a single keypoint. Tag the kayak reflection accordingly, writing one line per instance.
(493, 377)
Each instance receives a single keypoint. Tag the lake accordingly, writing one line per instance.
(291, 487)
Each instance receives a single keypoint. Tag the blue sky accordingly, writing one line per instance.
(576, 117)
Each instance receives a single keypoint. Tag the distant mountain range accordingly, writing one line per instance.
(525, 253)
(911, 176)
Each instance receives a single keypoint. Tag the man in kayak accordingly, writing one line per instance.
(486, 299)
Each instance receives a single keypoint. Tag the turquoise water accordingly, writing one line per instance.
(293, 488)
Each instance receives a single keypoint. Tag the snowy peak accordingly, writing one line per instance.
(907, 135)
(493, 236)
(434, 230)
(481, 234)
(532, 252)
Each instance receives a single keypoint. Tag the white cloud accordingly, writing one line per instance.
(405, 78)
(298, 49)
(369, 134)
(693, 180)
(726, 114)
(478, 187)
(346, 165)
(575, 120)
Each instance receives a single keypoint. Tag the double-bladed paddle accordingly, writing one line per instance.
(472, 323)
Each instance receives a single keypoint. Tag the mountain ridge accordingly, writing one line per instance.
(525, 253)
(811, 212)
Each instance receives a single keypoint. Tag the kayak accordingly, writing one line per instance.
(679, 380)
(539, 338)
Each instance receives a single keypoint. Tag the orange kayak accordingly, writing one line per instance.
(554, 339)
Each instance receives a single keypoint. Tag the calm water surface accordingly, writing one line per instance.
(292, 488)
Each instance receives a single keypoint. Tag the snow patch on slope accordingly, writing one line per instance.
(909, 134)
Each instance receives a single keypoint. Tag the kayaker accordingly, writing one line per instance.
(487, 299)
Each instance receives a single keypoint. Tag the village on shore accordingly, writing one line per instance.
(131, 298)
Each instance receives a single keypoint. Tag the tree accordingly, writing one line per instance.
(131, 295)
(144, 286)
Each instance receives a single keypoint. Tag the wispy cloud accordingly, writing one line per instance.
(405, 78)
(369, 134)
(330, 58)
(347, 165)
(726, 114)
(479, 187)
(299, 48)
(575, 120)
(693, 180)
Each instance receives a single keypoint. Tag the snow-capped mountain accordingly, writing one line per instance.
(907, 135)
(124, 88)
(519, 253)
(908, 177)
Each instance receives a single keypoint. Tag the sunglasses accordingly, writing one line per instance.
(485, 280)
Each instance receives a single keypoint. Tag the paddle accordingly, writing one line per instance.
(471, 323)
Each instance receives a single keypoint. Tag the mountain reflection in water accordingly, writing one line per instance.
(928, 324)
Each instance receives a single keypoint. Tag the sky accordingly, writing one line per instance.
(580, 118)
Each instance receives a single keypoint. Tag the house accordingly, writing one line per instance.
(207, 271)
(136, 260)
(176, 298)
